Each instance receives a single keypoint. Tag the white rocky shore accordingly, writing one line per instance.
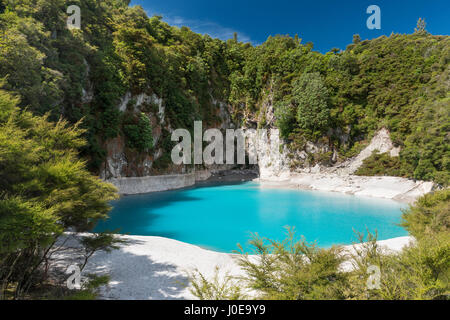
(157, 268)
(275, 172)
(399, 189)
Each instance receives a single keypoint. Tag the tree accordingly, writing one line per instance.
(430, 215)
(420, 28)
(335, 50)
(139, 135)
(356, 38)
(45, 191)
(285, 118)
(311, 97)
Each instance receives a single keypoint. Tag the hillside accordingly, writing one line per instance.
(132, 79)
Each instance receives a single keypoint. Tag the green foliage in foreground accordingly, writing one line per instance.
(430, 215)
(295, 269)
(217, 288)
(45, 190)
(89, 290)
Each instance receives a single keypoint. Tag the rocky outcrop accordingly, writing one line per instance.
(274, 162)
(274, 171)
(121, 162)
(270, 153)
(132, 173)
(381, 142)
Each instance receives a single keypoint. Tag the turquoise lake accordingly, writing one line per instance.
(218, 217)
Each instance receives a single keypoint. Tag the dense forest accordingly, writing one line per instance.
(340, 98)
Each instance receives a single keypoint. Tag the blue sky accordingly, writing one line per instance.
(326, 23)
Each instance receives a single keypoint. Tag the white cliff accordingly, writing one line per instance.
(381, 142)
(340, 178)
(133, 173)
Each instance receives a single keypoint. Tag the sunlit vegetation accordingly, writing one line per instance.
(45, 191)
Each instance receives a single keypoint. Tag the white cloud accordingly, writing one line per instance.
(215, 30)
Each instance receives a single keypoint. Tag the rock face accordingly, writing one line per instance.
(339, 178)
(271, 154)
(381, 142)
(132, 172)
(274, 163)
(122, 162)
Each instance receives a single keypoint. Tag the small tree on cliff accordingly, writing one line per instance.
(285, 118)
(311, 96)
(420, 28)
(139, 133)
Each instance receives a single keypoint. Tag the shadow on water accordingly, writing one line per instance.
(214, 213)
(141, 208)
(209, 184)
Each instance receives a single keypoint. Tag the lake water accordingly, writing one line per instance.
(220, 216)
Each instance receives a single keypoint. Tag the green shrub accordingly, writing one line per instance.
(429, 215)
(139, 134)
(89, 290)
(311, 97)
(285, 118)
(293, 270)
(219, 288)
(421, 271)
(380, 164)
(46, 191)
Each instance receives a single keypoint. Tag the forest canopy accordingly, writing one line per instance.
(398, 82)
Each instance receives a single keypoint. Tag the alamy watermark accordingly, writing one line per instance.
(373, 282)
(374, 21)
(74, 18)
(74, 280)
(247, 143)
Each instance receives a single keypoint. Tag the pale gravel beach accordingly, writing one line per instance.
(399, 189)
(157, 268)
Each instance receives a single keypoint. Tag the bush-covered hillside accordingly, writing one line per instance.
(341, 98)
(400, 82)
